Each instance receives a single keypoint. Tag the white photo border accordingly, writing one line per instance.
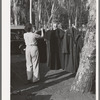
(6, 50)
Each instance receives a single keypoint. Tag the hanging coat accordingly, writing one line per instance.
(42, 48)
(66, 50)
(79, 45)
(71, 56)
(54, 48)
(48, 52)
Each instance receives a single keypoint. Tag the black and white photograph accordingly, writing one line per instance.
(52, 50)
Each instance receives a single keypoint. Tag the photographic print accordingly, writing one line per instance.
(52, 50)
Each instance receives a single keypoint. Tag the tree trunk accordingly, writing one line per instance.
(39, 13)
(86, 72)
(31, 11)
(69, 23)
(15, 11)
(76, 17)
(15, 19)
(46, 10)
(52, 11)
(85, 76)
(36, 14)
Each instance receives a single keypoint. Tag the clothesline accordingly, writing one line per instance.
(63, 50)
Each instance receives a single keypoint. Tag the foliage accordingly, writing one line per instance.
(51, 11)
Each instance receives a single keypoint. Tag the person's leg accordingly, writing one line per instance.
(35, 62)
(28, 63)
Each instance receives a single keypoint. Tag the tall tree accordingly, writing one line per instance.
(19, 11)
(30, 11)
(16, 12)
(85, 76)
(46, 11)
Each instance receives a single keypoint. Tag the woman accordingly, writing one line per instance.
(32, 54)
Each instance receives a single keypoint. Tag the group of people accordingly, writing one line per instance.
(63, 49)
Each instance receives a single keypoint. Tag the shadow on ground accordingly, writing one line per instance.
(49, 78)
(18, 79)
(31, 97)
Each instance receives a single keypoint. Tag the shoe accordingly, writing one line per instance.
(28, 82)
(35, 81)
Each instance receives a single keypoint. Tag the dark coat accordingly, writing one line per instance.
(54, 48)
(70, 55)
(48, 37)
(79, 45)
(66, 50)
(42, 49)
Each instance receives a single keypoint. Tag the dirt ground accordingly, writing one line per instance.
(54, 84)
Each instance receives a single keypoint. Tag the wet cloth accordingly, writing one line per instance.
(66, 50)
(32, 56)
(54, 48)
(48, 52)
(41, 43)
(79, 45)
(70, 53)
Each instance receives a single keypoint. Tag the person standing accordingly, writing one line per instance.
(32, 53)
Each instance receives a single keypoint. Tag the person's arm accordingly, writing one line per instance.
(42, 33)
(39, 34)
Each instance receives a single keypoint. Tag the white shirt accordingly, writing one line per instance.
(31, 38)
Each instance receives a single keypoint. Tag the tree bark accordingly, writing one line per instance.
(52, 11)
(31, 11)
(36, 14)
(76, 17)
(85, 76)
(39, 13)
(69, 23)
(15, 20)
(16, 12)
(86, 72)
